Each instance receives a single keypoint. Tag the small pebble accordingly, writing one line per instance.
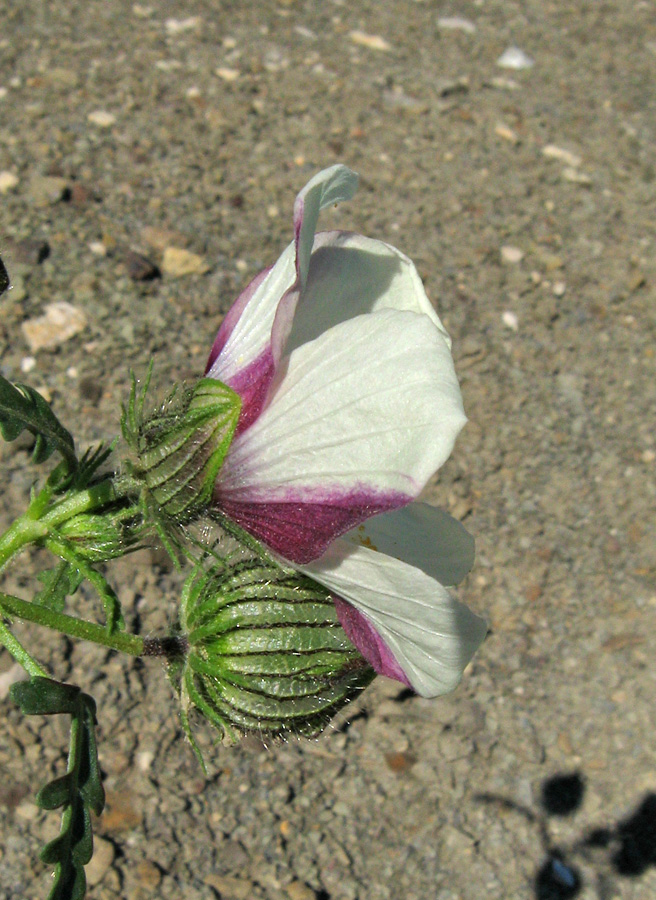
(559, 288)
(179, 262)
(178, 26)
(506, 133)
(7, 181)
(139, 267)
(372, 41)
(27, 364)
(456, 23)
(515, 58)
(576, 177)
(566, 156)
(44, 190)
(101, 118)
(18, 289)
(509, 319)
(98, 248)
(227, 74)
(60, 322)
(511, 255)
(299, 891)
(101, 861)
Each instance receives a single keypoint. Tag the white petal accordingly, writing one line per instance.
(431, 635)
(422, 536)
(275, 295)
(250, 336)
(373, 403)
(350, 275)
(327, 188)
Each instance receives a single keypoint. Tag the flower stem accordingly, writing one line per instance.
(20, 654)
(79, 628)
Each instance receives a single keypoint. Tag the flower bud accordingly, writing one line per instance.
(180, 449)
(97, 537)
(266, 651)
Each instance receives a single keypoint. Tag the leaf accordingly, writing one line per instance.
(4, 278)
(79, 791)
(55, 793)
(45, 697)
(22, 408)
(58, 584)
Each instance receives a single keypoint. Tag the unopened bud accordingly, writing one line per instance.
(179, 450)
(98, 537)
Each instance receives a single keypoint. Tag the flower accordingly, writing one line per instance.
(350, 403)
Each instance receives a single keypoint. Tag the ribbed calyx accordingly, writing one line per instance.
(179, 449)
(267, 652)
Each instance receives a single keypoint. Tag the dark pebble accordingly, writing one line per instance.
(140, 268)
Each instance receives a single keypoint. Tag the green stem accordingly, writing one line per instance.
(33, 525)
(20, 654)
(79, 628)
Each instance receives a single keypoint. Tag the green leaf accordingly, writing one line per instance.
(58, 584)
(54, 794)
(4, 278)
(79, 791)
(45, 697)
(22, 408)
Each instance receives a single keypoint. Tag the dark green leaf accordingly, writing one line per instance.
(58, 584)
(44, 697)
(21, 408)
(79, 791)
(55, 794)
(4, 278)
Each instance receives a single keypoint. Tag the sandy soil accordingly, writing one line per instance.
(526, 197)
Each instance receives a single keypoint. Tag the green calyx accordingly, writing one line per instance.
(266, 651)
(179, 450)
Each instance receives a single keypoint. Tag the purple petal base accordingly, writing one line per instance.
(362, 634)
(302, 530)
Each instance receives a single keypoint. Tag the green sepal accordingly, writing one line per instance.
(22, 408)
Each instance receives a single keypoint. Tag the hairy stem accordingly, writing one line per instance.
(78, 628)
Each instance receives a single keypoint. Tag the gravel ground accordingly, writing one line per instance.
(526, 197)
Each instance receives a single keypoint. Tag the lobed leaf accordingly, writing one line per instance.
(79, 791)
(22, 408)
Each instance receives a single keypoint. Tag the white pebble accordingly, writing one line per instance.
(565, 156)
(98, 248)
(515, 58)
(101, 118)
(71, 372)
(27, 364)
(227, 74)
(511, 255)
(456, 23)
(145, 760)
(559, 288)
(373, 41)
(177, 26)
(7, 181)
(509, 319)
